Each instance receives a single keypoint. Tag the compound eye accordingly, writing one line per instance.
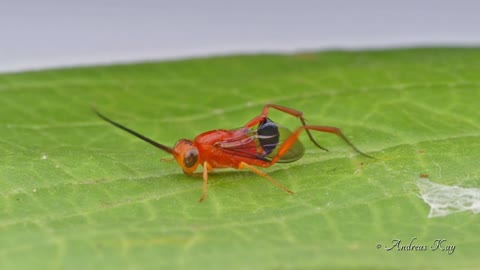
(190, 158)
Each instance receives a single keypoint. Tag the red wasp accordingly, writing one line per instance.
(261, 142)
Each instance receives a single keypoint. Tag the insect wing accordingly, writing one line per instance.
(295, 152)
(248, 143)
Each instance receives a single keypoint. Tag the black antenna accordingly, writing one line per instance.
(134, 133)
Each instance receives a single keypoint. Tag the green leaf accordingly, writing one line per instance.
(77, 193)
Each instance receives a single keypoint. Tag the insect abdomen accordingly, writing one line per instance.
(268, 135)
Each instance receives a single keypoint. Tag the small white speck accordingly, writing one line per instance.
(218, 111)
(34, 190)
(44, 157)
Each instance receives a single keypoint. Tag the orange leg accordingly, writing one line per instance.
(289, 143)
(206, 168)
(294, 136)
(287, 110)
(266, 176)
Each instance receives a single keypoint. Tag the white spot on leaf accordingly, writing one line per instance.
(444, 200)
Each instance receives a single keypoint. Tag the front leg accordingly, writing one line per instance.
(206, 168)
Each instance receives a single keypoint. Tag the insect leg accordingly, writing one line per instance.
(282, 109)
(287, 110)
(257, 171)
(294, 136)
(295, 113)
(206, 167)
(255, 121)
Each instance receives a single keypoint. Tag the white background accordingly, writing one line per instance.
(41, 34)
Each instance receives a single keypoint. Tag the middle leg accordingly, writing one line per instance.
(264, 175)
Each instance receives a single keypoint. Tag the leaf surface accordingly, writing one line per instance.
(77, 193)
